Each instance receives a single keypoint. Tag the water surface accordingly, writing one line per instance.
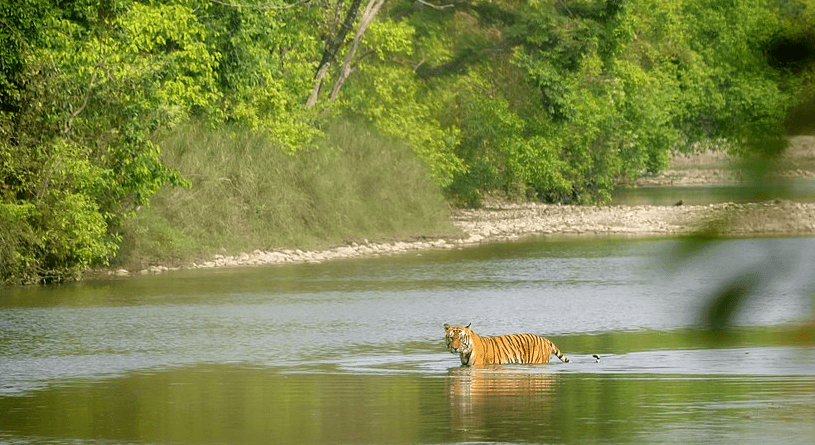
(352, 351)
(799, 190)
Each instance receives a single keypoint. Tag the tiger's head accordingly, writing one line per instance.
(459, 339)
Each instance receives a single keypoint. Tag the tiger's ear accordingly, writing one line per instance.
(446, 326)
(468, 326)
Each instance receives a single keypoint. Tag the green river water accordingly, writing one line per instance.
(352, 352)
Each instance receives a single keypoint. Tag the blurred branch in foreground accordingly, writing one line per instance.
(763, 179)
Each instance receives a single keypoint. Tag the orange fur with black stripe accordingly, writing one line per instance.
(501, 350)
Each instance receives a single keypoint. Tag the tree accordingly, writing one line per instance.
(77, 158)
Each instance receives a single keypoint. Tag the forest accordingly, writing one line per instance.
(124, 123)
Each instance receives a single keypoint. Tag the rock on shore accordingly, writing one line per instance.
(513, 221)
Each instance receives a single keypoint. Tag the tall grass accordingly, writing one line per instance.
(248, 194)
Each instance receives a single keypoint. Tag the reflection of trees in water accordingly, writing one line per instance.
(482, 397)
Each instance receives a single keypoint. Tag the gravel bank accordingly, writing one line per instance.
(773, 218)
(503, 221)
(514, 221)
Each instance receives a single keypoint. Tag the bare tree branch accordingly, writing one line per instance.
(367, 16)
(85, 101)
(260, 7)
(439, 7)
(567, 8)
(331, 48)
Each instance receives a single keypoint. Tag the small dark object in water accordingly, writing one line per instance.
(596, 358)
(678, 203)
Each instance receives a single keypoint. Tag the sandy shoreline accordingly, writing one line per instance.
(501, 221)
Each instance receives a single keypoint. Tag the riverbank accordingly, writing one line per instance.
(772, 218)
(797, 162)
(501, 220)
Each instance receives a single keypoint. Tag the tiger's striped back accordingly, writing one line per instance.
(474, 349)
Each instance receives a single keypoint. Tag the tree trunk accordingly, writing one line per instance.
(330, 53)
(370, 12)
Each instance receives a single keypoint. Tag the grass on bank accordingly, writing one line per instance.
(248, 194)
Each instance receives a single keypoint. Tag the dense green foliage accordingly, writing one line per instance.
(551, 100)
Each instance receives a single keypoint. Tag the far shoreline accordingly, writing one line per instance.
(501, 220)
(510, 222)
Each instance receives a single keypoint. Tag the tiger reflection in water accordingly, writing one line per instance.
(483, 397)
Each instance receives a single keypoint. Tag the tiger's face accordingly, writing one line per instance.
(459, 340)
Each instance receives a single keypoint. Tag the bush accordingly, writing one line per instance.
(247, 193)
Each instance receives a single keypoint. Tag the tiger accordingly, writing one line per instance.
(474, 349)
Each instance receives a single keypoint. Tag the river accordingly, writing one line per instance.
(352, 351)
(799, 190)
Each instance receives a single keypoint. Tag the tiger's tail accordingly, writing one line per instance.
(559, 354)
